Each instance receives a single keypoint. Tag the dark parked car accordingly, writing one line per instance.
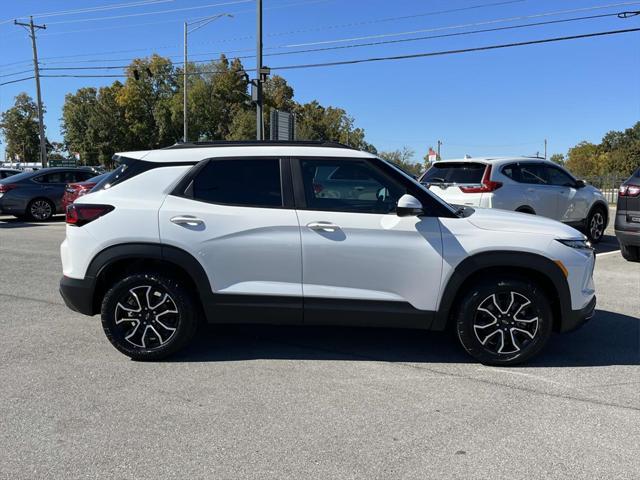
(8, 172)
(628, 218)
(38, 195)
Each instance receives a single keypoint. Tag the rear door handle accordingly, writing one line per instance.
(323, 226)
(187, 220)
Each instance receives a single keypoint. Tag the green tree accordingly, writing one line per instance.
(557, 158)
(315, 122)
(582, 160)
(404, 159)
(146, 102)
(19, 127)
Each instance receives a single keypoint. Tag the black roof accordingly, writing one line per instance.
(258, 143)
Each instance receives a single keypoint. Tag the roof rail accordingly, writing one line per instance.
(258, 143)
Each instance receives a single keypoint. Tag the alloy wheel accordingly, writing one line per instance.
(596, 226)
(147, 317)
(41, 210)
(506, 323)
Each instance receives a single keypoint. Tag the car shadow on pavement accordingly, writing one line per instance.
(608, 339)
(12, 222)
(609, 243)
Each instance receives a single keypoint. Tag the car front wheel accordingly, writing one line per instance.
(148, 316)
(504, 321)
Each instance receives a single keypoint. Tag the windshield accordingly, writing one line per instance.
(454, 172)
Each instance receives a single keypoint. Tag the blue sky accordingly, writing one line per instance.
(499, 102)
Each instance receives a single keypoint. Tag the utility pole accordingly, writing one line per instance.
(36, 72)
(439, 143)
(259, 76)
(196, 25)
(184, 87)
(545, 148)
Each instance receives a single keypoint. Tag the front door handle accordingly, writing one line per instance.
(187, 220)
(323, 226)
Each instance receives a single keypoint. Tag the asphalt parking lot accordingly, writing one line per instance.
(268, 402)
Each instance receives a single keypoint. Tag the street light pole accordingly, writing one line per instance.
(196, 25)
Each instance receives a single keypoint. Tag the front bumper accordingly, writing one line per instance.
(577, 318)
(78, 294)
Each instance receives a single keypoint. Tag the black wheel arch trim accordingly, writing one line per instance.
(134, 251)
(503, 259)
(526, 209)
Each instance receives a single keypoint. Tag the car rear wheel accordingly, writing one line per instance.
(630, 252)
(41, 209)
(504, 321)
(148, 316)
(596, 224)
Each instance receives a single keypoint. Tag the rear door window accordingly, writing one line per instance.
(455, 172)
(531, 173)
(242, 182)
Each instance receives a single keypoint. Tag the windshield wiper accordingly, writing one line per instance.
(441, 180)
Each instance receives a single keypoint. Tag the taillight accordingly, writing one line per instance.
(486, 184)
(5, 187)
(84, 213)
(629, 190)
(84, 189)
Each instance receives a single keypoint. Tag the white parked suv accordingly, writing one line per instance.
(290, 233)
(522, 184)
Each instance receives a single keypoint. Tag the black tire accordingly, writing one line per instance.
(596, 224)
(40, 210)
(168, 325)
(630, 252)
(484, 303)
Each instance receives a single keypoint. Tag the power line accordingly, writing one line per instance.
(500, 20)
(315, 29)
(19, 80)
(15, 73)
(397, 57)
(449, 27)
(158, 12)
(237, 12)
(463, 50)
(369, 44)
(79, 11)
(467, 25)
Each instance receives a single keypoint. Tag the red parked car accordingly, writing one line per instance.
(75, 190)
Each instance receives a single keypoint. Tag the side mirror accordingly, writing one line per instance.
(581, 184)
(408, 206)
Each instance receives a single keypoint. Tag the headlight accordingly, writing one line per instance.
(578, 244)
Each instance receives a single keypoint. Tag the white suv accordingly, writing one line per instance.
(522, 184)
(290, 233)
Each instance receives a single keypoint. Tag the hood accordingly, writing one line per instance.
(507, 221)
